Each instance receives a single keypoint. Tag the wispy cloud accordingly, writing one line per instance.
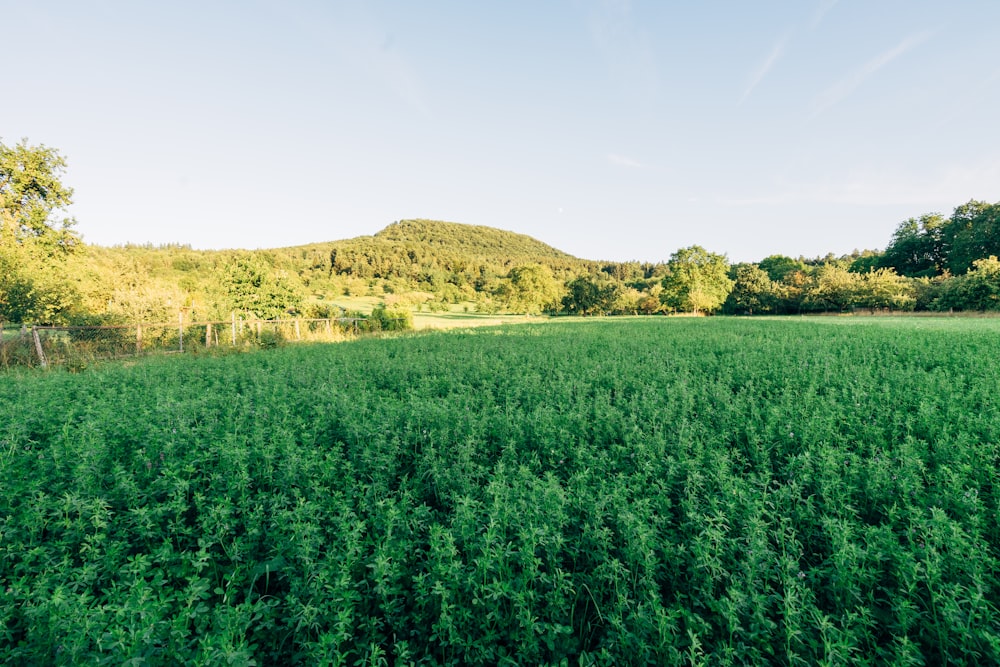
(623, 161)
(821, 12)
(777, 51)
(624, 45)
(843, 88)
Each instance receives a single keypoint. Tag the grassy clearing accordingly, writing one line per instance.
(361, 304)
(662, 491)
(457, 319)
(457, 316)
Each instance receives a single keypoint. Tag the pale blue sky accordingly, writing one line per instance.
(609, 129)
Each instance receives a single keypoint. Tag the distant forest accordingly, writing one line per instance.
(48, 276)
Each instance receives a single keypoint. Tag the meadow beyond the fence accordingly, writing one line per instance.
(71, 345)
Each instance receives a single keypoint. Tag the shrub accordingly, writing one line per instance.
(271, 338)
(389, 319)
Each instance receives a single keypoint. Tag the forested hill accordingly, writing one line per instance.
(408, 262)
(476, 240)
(432, 252)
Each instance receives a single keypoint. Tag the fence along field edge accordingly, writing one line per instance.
(45, 345)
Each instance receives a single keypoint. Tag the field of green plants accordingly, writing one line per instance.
(610, 492)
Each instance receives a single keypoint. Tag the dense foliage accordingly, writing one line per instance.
(932, 244)
(454, 261)
(443, 264)
(253, 287)
(32, 196)
(487, 243)
(696, 281)
(685, 491)
(931, 263)
(34, 237)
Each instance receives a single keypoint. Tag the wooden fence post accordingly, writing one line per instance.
(298, 332)
(138, 338)
(208, 335)
(180, 330)
(38, 347)
(234, 329)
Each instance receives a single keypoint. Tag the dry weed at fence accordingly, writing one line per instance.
(75, 346)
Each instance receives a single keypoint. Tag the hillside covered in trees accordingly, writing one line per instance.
(49, 276)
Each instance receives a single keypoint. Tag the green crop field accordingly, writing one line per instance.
(649, 491)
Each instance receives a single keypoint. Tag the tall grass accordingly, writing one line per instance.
(697, 491)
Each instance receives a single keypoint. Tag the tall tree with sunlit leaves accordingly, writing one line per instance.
(256, 288)
(696, 281)
(34, 235)
(32, 195)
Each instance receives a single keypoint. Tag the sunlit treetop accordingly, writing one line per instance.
(33, 197)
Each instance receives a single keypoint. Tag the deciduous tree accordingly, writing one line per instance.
(979, 289)
(696, 281)
(779, 267)
(753, 291)
(833, 288)
(34, 239)
(972, 233)
(883, 288)
(917, 247)
(32, 196)
(531, 289)
(588, 296)
(255, 288)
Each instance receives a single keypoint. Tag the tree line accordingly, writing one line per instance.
(48, 275)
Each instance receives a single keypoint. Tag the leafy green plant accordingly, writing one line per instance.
(383, 318)
(706, 491)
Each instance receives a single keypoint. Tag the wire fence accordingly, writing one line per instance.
(75, 346)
